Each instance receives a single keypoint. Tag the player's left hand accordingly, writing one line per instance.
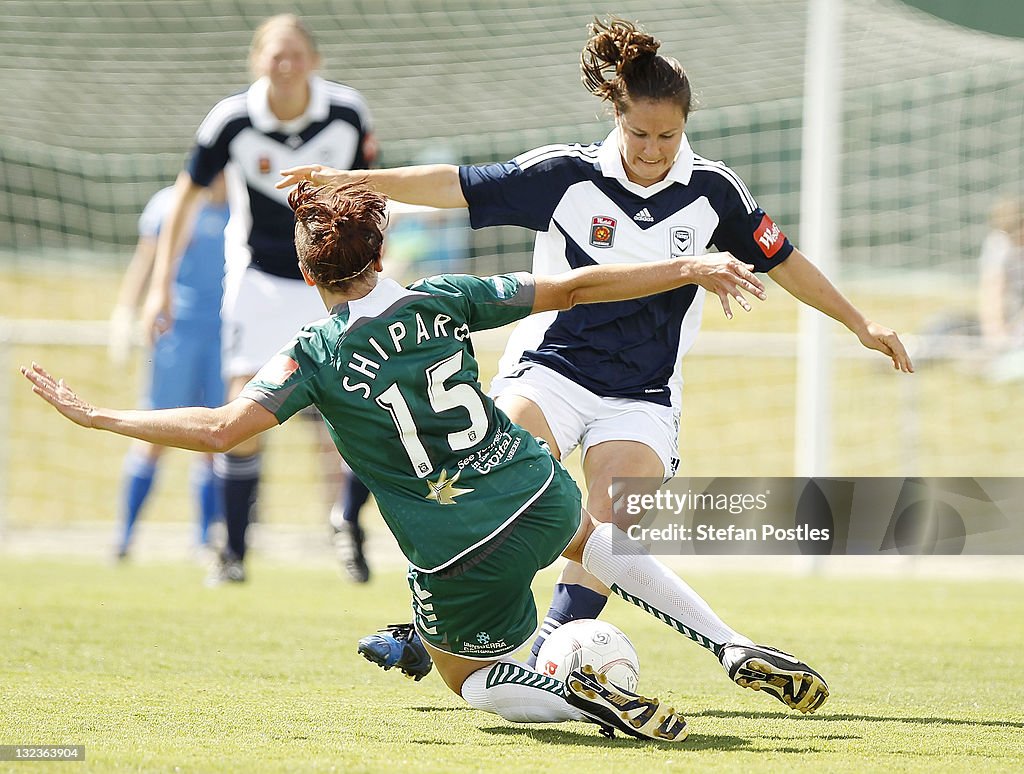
(59, 395)
(886, 341)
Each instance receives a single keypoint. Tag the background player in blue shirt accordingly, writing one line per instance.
(477, 504)
(288, 115)
(607, 377)
(186, 365)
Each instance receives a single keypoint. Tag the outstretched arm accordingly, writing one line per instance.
(802, 279)
(719, 273)
(429, 185)
(198, 429)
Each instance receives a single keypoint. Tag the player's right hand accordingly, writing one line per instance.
(727, 277)
(317, 174)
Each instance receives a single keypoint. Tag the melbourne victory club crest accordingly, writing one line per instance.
(681, 241)
(602, 231)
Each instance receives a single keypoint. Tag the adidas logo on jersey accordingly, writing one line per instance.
(644, 216)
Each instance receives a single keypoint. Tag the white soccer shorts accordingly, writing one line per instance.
(261, 313)
(578, 417)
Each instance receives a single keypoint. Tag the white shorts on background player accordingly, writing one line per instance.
(578, 417)
(261, 314)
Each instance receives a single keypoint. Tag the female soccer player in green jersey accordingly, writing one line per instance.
(476, 503)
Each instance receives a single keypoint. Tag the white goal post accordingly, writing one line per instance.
(819, 212)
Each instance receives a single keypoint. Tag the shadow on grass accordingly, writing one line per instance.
(594, 739)
(926, 721)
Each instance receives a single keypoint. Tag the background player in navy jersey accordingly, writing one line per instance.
(476, 503)
(607, 377)
(288, 115)
(185, 365)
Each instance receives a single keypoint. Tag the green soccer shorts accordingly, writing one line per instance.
(483, 607)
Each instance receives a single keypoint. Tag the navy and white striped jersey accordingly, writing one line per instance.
(243, 136)
(586, 211)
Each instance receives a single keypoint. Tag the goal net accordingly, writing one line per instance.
(105, 98)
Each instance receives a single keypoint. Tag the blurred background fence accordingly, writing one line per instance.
(101, 100)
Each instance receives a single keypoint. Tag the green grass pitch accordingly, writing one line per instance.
(153, 672)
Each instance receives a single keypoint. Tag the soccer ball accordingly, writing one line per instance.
(588, 641)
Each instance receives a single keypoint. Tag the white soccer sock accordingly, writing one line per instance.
(518, 694)
(636, 576)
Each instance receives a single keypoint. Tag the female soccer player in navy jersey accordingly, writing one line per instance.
(476, 503)
(289, 115)
(607, 377)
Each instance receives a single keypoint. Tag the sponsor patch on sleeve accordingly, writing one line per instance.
(769, 237)
(277, 370)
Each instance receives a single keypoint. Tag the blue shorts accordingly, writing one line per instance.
(186, 366)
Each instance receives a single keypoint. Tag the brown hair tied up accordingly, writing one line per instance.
(621, 64)
(338, 230)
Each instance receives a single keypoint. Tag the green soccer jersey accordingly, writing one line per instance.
(395, 377)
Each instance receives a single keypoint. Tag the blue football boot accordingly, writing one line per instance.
(397, 645)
